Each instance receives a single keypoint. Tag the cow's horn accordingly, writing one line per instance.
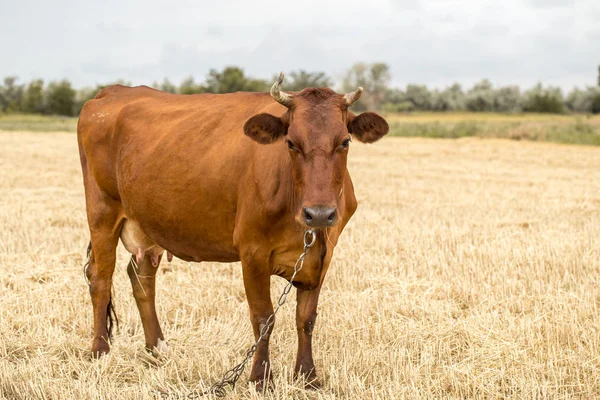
(353, 96)
(279, 96)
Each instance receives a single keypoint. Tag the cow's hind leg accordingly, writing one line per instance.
(104, 220)
(143, 278)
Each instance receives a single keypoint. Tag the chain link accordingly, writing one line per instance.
(231, 377)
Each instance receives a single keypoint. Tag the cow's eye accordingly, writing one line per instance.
(291, 145)
(345, 143)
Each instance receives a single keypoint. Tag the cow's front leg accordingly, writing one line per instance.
(257, 282)
(306, 315)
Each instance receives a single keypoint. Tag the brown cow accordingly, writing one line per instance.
(218, 177)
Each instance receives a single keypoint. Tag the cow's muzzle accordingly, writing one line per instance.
(319, 216)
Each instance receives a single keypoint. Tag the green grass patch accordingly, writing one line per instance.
(578, 133)
(573, 130)
(37, 123)
(435, 129)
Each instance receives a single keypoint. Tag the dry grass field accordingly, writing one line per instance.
(471, 270)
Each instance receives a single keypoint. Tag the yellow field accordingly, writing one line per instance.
(470, 270)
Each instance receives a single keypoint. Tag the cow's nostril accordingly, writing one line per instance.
(307, 215)
(331, 217)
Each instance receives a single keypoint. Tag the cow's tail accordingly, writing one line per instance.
(111, 315)
(88, 255)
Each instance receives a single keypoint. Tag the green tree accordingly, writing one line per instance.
(33, 97)
(373, 78)
(10, 95)
(395, 101)
(188, 86)
(232, 79)
(167, 86)
(507, 99)
(61, 98)
(298, 80)
(419, 96)
(481, 97)
(453, 98)
(576, 101)
(596, 102)
(584, 101)
(543, 100)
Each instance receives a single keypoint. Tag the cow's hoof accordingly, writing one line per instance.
(99, 348)
(263, 385)
(311, 382)
(161, 349)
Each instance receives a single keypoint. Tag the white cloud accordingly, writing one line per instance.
(435, 42)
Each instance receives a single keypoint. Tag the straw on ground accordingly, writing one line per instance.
(470, 270)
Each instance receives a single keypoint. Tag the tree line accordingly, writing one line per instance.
(60, 98)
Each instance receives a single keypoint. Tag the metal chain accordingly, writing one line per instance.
(231, 377)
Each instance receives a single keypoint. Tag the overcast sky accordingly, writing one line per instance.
(433, 42)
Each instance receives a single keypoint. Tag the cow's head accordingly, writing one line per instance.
(317, 129)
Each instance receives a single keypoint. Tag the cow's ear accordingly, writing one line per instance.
(265, 128)
(367, 127)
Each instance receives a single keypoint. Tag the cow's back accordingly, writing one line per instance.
(141, 118)
(175, 162)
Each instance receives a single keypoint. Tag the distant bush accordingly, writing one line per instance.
(596, 102)
(33, 98)
(61, 98)
(508, 99)
(450, 99)
(481, 97)
(166, 86)
(396, 102)
(544, 100)
(11, 95)
(584, 101)
(419, 96)
(188, 86)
